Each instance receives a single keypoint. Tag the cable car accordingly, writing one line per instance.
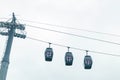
(48, 54)
(88, 62)
(68, 59)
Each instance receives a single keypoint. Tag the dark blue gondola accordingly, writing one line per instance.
(48, 54)
(68, 58)
(88, 62)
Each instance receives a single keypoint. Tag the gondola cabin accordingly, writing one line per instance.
(48, 54)
(87, 62)
(68, 59)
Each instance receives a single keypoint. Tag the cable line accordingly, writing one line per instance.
(73, 34)
(78, 29)
(74, 47)
(66, 27)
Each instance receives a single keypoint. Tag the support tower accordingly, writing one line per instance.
(9, 29)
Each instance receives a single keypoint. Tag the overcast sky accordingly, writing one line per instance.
(27, 56)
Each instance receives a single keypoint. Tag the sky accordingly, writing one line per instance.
(27, 56)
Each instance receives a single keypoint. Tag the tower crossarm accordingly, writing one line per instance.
(9, 24)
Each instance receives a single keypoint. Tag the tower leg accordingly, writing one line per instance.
(3, 70)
